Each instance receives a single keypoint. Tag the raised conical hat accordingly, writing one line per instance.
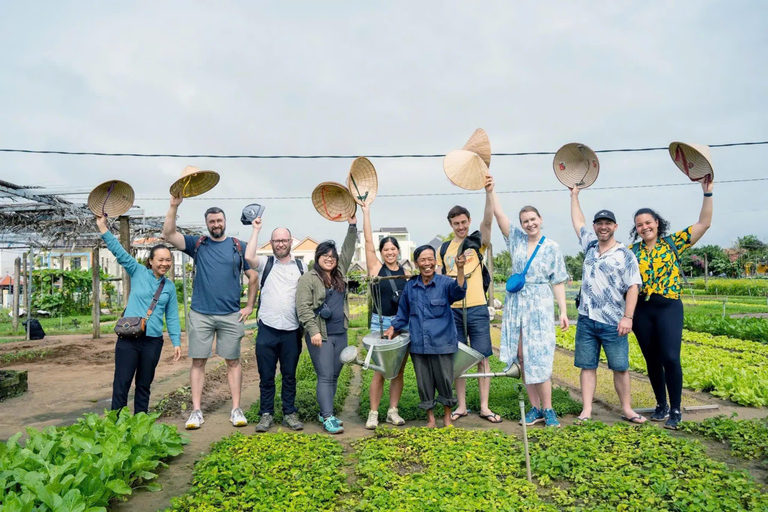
(576, 165)
(362, 181)
(693, 159)
(111, 199)
(194, 182)
(333, 201)
(480, 144)
(465, 169)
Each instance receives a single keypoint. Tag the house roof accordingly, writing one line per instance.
(7, 280)
(394, 230)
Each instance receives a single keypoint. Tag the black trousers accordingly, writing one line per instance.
(135, 358)
(658, 326)
(434, 372)
(273, 346)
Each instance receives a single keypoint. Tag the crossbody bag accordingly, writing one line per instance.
(516, 282)
(136, 326)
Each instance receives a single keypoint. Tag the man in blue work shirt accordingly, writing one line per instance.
(425, 306)
(215, 309)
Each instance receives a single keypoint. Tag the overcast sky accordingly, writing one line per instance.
(362, 78)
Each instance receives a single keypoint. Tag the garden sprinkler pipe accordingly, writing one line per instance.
(521, 398)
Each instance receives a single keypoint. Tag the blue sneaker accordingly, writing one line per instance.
(321, 420)
(534, 416)
(550, 418)
(332, 426)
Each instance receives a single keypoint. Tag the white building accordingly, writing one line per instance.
(400, 234)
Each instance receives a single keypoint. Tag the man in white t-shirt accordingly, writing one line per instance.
(279, 333)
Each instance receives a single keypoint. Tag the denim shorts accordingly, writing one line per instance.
(590, 336)
(386, 323)
(478, 328)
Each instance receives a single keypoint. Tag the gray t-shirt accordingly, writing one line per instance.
(335, 302)
(217, 289)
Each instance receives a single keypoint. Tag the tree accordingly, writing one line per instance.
(575, 265)
(502, 266)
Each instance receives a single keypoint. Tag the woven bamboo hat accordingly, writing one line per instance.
(465, 169)
(362, 181)
(693, 159)
(480, 144)
(111, 199)
(194, 182)
(333, 201)
(576, 165)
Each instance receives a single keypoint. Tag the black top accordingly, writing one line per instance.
(388, 303)
(335, 302)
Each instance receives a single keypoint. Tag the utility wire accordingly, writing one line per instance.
(427, 194)
(276, 157)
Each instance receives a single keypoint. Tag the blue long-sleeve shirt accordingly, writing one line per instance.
(426, 310)
(143, 287)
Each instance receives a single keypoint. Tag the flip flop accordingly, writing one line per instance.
(582, 421)
(456, 415)
(493, 417)
(635, 420)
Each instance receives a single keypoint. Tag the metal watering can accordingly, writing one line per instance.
(467, 357)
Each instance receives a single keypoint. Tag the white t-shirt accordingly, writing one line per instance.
(278, 297)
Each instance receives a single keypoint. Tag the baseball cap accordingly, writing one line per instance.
(604, 214)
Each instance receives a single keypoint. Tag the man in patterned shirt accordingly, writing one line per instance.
(609, 289)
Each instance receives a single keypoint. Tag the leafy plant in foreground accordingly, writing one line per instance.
(747, 439)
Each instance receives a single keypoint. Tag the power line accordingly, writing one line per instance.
(278, 157)
(427, 194)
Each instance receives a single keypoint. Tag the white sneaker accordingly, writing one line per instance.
(195, 420)
(394, 418)
(373, 420)
(238, 418)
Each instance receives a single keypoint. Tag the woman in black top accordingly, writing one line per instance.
(389, 291)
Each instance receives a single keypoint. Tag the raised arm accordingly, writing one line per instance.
(253, 244)
(705, 217)
(492, 207)
(170, 233)
(127, 261)
(487, 224)
(577, 216)
(348, 247)
(371, 260)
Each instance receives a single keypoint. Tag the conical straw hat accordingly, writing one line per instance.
(693, 159)
(333, 201)
(111, 199)
(194, 182)
(465, 169)
(480, 144)
(362, 181)
(576, 165)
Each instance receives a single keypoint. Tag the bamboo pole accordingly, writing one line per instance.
(16, 285)
(28, 284)
(96, 311)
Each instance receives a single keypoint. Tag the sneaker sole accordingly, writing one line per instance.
(193, 427)
(262, 430)
(665, 418)
(538, 420)
(371, 427)
(340, 431)
(285, 424)
(396, 423)
(238, 424)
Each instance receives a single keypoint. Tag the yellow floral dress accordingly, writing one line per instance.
(658, 267)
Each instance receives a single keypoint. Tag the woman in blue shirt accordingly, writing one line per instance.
(425, 307)
(139, 357)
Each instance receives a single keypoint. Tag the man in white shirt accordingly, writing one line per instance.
(279, 333)
(607, 299)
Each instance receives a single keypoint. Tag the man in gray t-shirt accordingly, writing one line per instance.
(279, 335)
(215, 310)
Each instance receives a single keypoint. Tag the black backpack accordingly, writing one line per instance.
(36, 331)
(486, 274)
(267, 270)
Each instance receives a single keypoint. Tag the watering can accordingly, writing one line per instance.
(384, 355)
(467, 357)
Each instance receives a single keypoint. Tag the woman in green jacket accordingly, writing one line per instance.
(323, 309)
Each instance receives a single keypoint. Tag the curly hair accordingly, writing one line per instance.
(663, 224)
(334, 279)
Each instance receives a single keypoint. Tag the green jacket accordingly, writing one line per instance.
(310, 293)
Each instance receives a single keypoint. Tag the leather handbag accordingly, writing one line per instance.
(134, 327)
(516, 282)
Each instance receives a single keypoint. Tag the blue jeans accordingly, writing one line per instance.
(590, 336)
(478, 328)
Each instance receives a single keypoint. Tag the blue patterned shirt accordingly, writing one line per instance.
(426, 310)
(606, 279)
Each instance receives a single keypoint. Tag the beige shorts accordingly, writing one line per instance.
(225, 328)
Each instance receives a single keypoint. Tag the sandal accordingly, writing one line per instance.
(582, 421)
(456, 415)
(636, 420)
(493, 417)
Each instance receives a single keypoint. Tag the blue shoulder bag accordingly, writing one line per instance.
(516, 282)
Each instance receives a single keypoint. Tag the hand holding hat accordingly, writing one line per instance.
(194, 182)
(468, 167)
(576, 165)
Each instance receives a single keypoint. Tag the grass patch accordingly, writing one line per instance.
(80, 324)
(267, 472)
(24, 356)
(503, 398)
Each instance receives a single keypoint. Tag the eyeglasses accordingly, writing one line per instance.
(328, 256)
(283, 241)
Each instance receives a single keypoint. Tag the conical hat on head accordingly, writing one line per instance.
(693, 159)
(333, 201)
(194, 182)
(480, 143)
(362, 181)
(111, 199)
(576, 165)
(465, 169)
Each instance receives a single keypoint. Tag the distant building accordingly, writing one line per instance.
(400, 234)
(302, 250)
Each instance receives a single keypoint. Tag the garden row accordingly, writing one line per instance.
(755, 329)
(724, 372)
(595, 467)
(81, 468)
(748, 287)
